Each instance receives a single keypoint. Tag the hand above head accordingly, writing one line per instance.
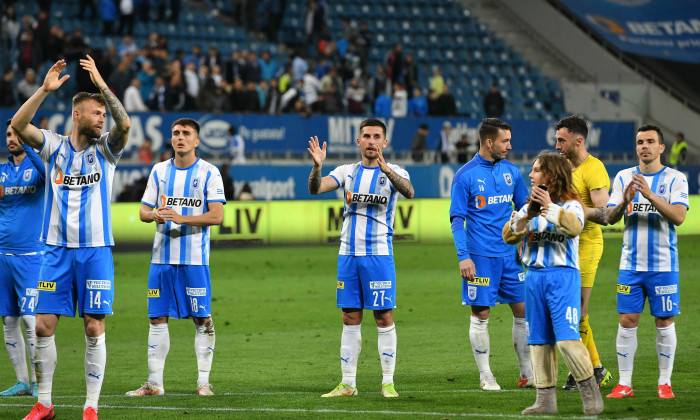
(52, 80)
(318, 154)
(88, 64)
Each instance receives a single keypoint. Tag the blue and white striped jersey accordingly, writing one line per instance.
(78, 192)
(370, 207)
(21, 204)
(649, 241)
(547, 246)
(187, 191)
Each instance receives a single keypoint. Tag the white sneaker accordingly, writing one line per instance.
(147, 388)
(489, 384)
(204, 389)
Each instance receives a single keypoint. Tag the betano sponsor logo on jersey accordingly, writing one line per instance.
(623, 288)
(153, 293)
(180, 201)
(480, 281)
(547, 236)
(666, 290)
(77, 180)
(99, 284)
(351, 198)
(47, 286)
(25, 189)
(482, 201)
(641, 208)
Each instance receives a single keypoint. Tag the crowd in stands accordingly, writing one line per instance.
(321, 76)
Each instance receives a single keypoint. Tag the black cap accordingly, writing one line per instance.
(424, 126)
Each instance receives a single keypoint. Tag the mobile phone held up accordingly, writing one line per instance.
(537, 206)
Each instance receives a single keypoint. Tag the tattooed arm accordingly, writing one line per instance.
(612, 214)
(401, 184)
(317, 184)
(119, 134)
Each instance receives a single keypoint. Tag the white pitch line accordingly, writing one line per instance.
(303, 410)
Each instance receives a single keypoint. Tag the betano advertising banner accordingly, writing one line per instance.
(319, 222)
(667, 29)
(264, 133)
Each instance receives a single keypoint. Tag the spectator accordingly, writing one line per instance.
(175, 88)
(272, 102)
(399, 102)
(195, 56)
(417, 105)
(332, 101)
(57, 40)
(216, 75)
(251, 101)
(126, 17)
(227, 180)
(331, 78)
(410, 74)
(191, 85)
(378, 84)
(418, 144)
(238, 96)
(27, 86)
(285, 80)
(232, 69)
(132, 97)
(147, 76)
(120, 79)
(156, 50)
(213, 57)
(437, 82)
(350, 33)
(353, 63)
(356, 95)
(252, 68)
(322, 68)
(146, 151)
(494, 104)
(7, 92)
(156, 99)
(382, 106)
(9, 34)
(445, 103)
(444, 143)
(679, 150)
(28, 52)
(463, 149)
(127, 47)
(299, 66)
(108, 15)
(268, 66)
(289, 97)
(75, 47)
(41, 30)
(274, 12)
(246, 193)
(312, 86)
(219, 101)
(88, 4)
(314, 23)
(237, 147)
(393, 63)
(263, 90)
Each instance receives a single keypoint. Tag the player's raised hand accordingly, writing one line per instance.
(53, 81)
(640, 184)
(382, 163)
(630, 191)
(88, 64)
(318, 153)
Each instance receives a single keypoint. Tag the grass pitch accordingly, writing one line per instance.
(278, 337)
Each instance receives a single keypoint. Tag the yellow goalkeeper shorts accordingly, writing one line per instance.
(589, 254)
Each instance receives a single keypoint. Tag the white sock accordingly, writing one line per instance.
(386, 344)
(29, 322)
(158, 347)
(45, 362)
(14, 342)
(95, 362)
(204, 344)
(666, 348)
(479, 338)
(350, 347)
(626, 348)
(522, 350)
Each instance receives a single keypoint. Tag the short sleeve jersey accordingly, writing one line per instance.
(483, 194)
(188, 191)
(590, 175)
(21, 206)
(650, 242)
(370, 207)
(78, 192)
(548, 246)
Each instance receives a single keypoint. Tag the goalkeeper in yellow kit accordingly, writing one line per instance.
(591, 181)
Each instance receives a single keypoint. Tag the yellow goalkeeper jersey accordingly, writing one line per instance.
(590, 175)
